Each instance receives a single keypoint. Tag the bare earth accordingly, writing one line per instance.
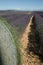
(28, 59)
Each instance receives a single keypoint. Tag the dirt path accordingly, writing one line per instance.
(8, 50)
(24, 38)
(28, 59)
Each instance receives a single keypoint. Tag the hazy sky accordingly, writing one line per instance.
(21, 4)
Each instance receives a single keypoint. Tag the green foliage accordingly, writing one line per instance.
(15, 37)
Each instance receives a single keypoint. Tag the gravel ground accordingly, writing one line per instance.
(8, 50)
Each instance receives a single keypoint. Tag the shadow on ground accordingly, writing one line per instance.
(40, 57)
(1, 59)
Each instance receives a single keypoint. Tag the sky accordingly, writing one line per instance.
(27, 5)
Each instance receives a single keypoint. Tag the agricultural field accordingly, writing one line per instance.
(15, 28)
